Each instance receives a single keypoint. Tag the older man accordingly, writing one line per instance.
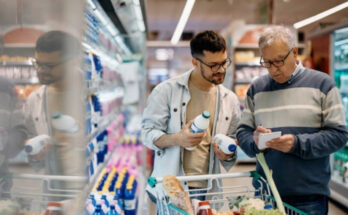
(303, 104)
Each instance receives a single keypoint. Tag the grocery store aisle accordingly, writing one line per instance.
(243, 167)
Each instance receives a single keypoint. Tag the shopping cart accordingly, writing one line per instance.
(32, 192)
(219, 200)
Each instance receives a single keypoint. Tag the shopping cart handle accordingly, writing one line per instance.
(152, 181)
(255, 175)
(178, 209)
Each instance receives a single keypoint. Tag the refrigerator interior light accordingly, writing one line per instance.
(101, 17)
(182, 22)
(92, 4)
(111, 28)
(139, 16)
(321, 15)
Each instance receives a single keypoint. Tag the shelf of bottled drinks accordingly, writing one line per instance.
(339, 179)
(114, 155)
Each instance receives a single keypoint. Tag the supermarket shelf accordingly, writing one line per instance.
(339, 191)
(344, 91)
(341, 66)
(97, 173)
(103, 124)
(102, 86)
(114, 60)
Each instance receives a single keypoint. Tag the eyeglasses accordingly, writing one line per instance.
(45, 66)
(216, 67)
(276, 63)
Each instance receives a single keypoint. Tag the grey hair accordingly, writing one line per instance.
(271, 34)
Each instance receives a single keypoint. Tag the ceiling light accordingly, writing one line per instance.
(182, 22)
(321, 15)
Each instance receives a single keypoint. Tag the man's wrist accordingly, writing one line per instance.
(229, 158)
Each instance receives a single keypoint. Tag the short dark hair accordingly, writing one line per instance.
(208, 41)
(58, 41)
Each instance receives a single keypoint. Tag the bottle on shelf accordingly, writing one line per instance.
(98, 210)
(225, 143)
(112, 210)
(199, 125)
(130, 200)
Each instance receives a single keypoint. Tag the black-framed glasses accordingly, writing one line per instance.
(45, 66)
(276, 63)
(216, 67)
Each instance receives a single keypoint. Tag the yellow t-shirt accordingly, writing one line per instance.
(196, 162)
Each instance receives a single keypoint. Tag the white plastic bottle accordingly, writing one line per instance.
(225, 143)
(200, 124)
(36, 144)
(64, 123)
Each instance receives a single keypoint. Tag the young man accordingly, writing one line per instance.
(173, 105)
(57, 63)
(303, 104)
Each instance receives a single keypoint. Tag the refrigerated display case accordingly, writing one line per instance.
(101, 87)
(339, 68)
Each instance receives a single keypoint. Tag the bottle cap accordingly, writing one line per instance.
(232, 147)
(54, 204)
(56, 115)
(201, 203)
(28, 148)
(206, 114)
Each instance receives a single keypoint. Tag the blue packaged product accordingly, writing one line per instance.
(130, 199)
(113, 182)
(87, 66)
(112, 210)
(119, 195)
(98, 210)
(105, 200)
(94, 202)
(97, 64)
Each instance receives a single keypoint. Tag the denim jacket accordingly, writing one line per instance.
(165, 113)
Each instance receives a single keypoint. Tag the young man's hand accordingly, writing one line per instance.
(219, 153)
(43, 153)
(188, 139)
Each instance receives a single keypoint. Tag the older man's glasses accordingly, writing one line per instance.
(276, 63)
(216, 67)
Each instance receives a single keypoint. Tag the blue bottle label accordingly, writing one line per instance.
(129, 204)
(195, 129)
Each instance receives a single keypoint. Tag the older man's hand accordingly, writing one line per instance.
(283, 143)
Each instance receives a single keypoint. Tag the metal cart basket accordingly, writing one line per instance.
(33, 191)
(218, 199)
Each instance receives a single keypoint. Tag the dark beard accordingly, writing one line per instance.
(212, 81)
